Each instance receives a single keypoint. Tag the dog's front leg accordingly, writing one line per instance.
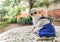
(31, 30)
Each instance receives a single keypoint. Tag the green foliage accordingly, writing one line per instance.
(9, 20)
(23, 8)
(2, 13)
(13, 20)
(2, 25)
(16, 2)
(41, 3)
(6, 3)
(10, 8)
(36, 3)
(13, 12)
(27, 20)
(46, 2)
(11, 2)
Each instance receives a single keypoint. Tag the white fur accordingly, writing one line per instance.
(37, 22)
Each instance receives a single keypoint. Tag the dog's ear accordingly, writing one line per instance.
(39, 12)
(42, 12)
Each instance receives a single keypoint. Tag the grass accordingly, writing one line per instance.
(2, 25)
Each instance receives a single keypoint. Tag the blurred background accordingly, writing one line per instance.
(16, 12)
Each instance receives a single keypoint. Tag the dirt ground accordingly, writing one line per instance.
(10, 26)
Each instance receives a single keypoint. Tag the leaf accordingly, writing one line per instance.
(13, 12)
(6, 3)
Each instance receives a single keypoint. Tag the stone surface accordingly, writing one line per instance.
(20, 35)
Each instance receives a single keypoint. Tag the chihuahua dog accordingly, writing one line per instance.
(41, 25)
(37, 22)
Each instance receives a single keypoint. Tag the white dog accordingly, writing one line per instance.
(42, 26)
(37, 22)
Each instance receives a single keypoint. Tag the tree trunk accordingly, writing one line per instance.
(31, 3)
(56, 1)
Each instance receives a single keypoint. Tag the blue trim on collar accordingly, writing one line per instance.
(43, 18)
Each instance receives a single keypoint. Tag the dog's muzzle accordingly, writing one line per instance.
(31, 13)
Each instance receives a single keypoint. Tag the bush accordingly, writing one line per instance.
(7, 21)
(10, 20)
(27, 21)
(13, 20)
(3, 24)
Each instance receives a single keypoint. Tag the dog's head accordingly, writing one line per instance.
(35, 13)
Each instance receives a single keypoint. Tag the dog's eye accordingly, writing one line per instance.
(35, 12)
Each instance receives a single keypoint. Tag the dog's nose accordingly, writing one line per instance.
(31, 13)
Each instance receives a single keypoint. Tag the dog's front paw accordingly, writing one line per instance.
(35, 32)
(28, 32)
